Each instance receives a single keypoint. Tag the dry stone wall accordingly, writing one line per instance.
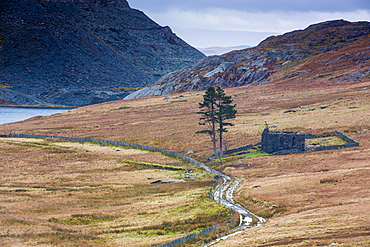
(175, 154)
(128, 144)
(189, 237)
(350, 142)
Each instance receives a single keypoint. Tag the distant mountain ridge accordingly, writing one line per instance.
(219, 50)
(80, 52)
(331, 51)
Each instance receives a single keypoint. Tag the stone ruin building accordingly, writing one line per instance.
(274, 142)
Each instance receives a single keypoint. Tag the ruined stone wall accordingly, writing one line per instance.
(350, 142)
(292, 142)
(128, 144)
(239, 149)
(282, 142)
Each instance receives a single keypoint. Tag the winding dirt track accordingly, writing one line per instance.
(222, 194)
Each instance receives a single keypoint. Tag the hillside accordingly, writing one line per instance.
(308, 199)
(332, 51)
(80, 194)
(82, 52)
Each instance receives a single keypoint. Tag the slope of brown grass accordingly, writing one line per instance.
(311, 199)
(81, 194)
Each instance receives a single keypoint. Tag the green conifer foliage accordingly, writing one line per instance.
(216, 108)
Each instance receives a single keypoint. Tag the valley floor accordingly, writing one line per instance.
(310, 199)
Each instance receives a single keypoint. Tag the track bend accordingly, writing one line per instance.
(224, 195)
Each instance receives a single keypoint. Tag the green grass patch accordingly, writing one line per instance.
(254, 154)
(17, 222)
(153, 165)
(82, 219)
(43, 145)
(248, 155)
(326, 141)
(184, 226)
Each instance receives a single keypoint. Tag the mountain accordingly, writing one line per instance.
(329, 52)
(80, 52)
(218, 50)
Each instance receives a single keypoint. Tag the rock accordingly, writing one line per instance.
(156, 182)
(291, 110)
(190, 152)
(355, 76)
(155, 90)
(168, 181)
(174, 181)
(327, 24)
(221, 68)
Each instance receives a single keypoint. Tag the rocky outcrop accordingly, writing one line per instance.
(334, 50)
(80, 52)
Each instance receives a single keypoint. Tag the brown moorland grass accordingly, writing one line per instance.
(55, 193)
(311, 199)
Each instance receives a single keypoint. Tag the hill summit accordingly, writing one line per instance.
(80, 52)
(332, 51)
(97, 3)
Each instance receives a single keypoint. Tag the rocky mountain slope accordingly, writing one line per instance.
(333, 51)
(79, 52)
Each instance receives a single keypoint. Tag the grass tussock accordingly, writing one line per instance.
(262, 208)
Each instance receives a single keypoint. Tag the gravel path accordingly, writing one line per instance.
(223, 193)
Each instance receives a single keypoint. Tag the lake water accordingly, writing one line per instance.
(15, 114)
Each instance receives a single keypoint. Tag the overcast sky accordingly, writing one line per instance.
(205, 23)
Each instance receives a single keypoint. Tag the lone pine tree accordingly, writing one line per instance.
(208, 117)
(225, 111)
(215, 109)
